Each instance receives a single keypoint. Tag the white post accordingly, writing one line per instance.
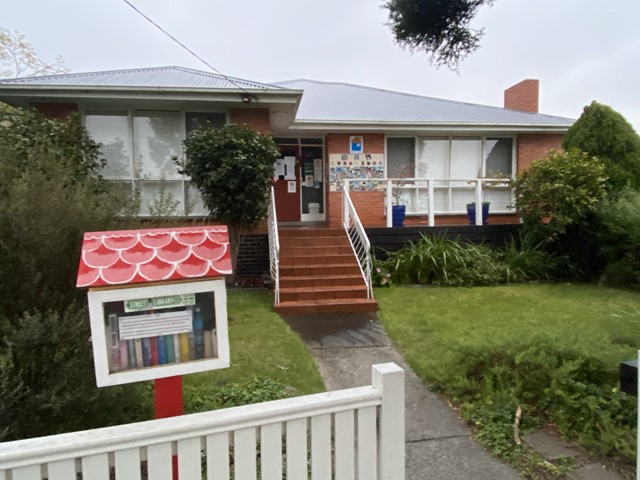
(388, 378)
(389, 204)
(478, 202)
(345, 208)
(432, 204)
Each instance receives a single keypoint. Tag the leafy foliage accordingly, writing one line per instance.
(563, 187)
(438, 27)
(19, 59)
(47, 381)
(604, 133)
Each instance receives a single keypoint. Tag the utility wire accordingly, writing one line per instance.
(185, 47)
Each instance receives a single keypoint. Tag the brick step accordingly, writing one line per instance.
(323, 270)
(308, 281)
(288, 260)
(318, 250)
(310, 232)
(323, 293)
(327, 306)
(297, 242)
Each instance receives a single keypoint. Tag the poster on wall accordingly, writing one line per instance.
(364, 171)
(356, 145)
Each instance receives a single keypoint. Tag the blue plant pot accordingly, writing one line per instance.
(397, 215)
(471, 212)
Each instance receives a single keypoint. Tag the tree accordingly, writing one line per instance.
(604, 133)
(232, 166)
(438, 27)
(18, 58)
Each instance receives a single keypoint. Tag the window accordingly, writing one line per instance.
(401, 157)
(141, 147)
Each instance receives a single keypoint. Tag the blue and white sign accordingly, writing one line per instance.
(356, 145)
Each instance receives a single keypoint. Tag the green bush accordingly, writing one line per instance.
(525, 260)
(47, 380)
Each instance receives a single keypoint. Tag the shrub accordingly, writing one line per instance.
(47, 380)
(526, 260)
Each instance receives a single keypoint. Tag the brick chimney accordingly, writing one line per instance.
(523, 96)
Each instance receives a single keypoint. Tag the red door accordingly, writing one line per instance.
(287, 185)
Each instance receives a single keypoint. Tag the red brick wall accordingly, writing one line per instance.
(523, 96)
(532, 146)
(257, 118)
(369, 205)
(56, 111)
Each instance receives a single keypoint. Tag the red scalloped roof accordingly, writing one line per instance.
(140, 256)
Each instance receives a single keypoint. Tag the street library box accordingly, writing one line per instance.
(157, 302)
(159, 331)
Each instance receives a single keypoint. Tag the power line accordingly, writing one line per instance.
(184, 46)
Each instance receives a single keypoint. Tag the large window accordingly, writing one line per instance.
(454, 163)
(140, 148)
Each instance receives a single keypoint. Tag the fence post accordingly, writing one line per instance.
(389, 203)
(346, 220)
(432, 204)
(388, 378)
(479, 202)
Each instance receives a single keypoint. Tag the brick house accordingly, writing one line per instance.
(328, 133)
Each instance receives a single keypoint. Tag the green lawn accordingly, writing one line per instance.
(552, 349)
(262, 345)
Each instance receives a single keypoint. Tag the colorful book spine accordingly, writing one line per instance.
(124, 355)
(214, 343)
(114, 344)
(155, 356)
(208, 345)
(198, 333)
(169, 345)
(176, 347)
(162, 350)
(146, 352)
(131, 348)
(184, 347)
(139, 355)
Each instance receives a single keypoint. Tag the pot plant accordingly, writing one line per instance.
(398, 209)
(471, 212)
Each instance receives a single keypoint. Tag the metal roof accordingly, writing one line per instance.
(159, 77)
(327, 102)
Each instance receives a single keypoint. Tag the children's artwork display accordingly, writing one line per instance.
(364, 171)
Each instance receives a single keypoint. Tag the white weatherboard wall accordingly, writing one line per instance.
(368, 441)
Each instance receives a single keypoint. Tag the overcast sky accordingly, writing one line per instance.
(580, 50)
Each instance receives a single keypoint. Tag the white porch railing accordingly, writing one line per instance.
(274, 247)
(431, 197)
(356, 433)
(358, 238)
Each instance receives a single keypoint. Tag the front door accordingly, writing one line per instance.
(287, 184)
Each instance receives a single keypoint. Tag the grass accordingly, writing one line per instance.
(262, 345)
(553, 349)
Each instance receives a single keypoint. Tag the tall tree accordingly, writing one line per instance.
(604, 133)
(438, 27)
(19, 59)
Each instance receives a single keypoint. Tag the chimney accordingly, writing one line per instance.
(523, 96)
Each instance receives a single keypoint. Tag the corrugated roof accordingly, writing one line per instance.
(343, 102)
(159, 77)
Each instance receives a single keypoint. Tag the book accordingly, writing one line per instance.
(184, 347)
(138, 350)
(198, 333)
(162, 350)
(124, 355)
(176, 347)
(214, 342)
(114, 344)
(155, 357)
(146, 352)
(208, 344)
(169, 344)
(131, 349)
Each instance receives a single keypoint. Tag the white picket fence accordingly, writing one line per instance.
(354, 434)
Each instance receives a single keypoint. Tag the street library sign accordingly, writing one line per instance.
(157, 301)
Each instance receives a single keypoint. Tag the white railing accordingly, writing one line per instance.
(358, 238)
(274, 246)
(347, 434)
(431, 197)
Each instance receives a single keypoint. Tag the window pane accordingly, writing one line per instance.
(400, 157)
(433, 158)
(465, 158)
(499, 156)
(196, 120)
(161, 198)
(111, 130)
(157, 140)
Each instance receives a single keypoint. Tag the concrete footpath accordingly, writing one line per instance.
(438, 444)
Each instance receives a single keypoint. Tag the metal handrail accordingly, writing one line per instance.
(358, 238)
(274, 246)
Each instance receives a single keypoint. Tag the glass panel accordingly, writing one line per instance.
(500, 198)
(196, 120)
(499, 153)
(400, 157)
(466, 157)
(157, 140)
(148, 332)
(312, 181)
(286, 141)
(460, 197)
(195, 205)
(161, 198)
(112, 131)
(311, 141)
(433, 158)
